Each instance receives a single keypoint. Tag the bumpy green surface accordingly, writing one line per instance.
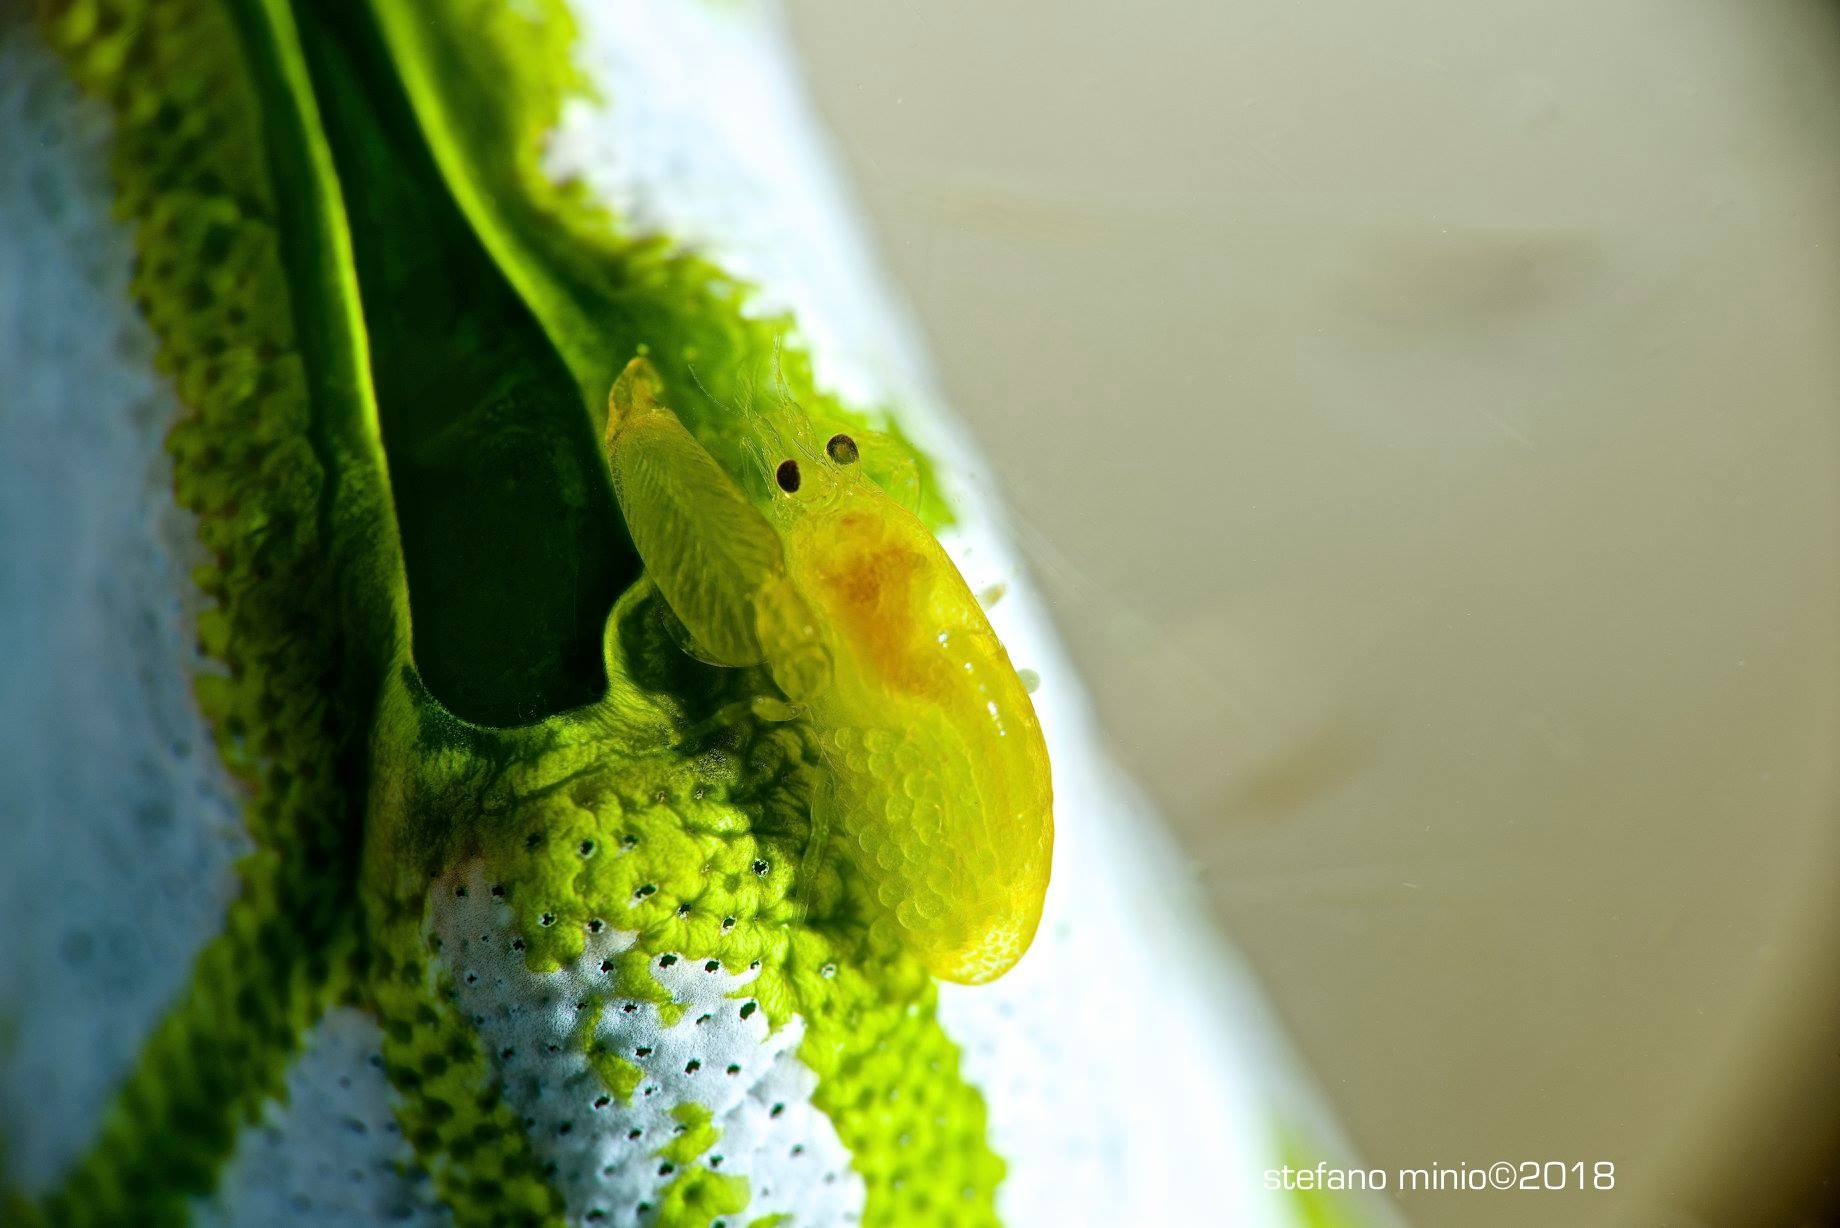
(387, 328)
(251, 368)
(643, 814)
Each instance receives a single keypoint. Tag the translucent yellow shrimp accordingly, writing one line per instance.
(938, 776)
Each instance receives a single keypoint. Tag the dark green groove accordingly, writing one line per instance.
(496, 472)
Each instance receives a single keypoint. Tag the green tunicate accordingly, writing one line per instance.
(392, 338)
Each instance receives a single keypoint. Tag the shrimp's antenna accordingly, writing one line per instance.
(798, 436)
(779, 371)
(754, 418)
(712, 397)
(756, 454)
(743, 411)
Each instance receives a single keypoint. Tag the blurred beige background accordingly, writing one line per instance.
(1425, 420)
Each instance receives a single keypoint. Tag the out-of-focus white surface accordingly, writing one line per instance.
(1424, 422)
(331, 1155)
(118, 824)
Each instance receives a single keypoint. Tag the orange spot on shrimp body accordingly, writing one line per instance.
(872, 582)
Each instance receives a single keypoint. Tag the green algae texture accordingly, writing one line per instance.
(392, 337)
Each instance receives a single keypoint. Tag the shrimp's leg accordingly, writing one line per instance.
(823, 819)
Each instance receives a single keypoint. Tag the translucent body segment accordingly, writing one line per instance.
(939, 791)
(894, 469)
(941, 776)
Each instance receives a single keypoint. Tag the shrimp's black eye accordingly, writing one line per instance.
(842, 449)
(787, 475)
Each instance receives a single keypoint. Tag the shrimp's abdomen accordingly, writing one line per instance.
(942, 787)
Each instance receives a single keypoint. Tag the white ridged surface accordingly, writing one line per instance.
(719, 1054)
(118, 825)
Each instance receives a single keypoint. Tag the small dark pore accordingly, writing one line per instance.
(842, 449)
(787, 475)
